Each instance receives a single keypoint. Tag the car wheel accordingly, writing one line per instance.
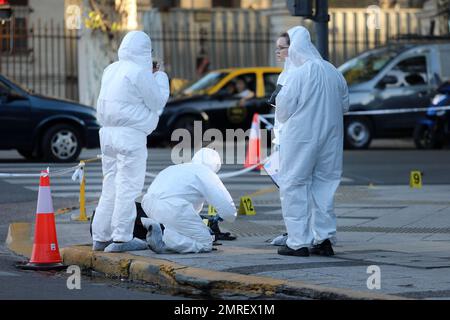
(61, 143)
(187, 123)
(425, 138)
(358, 133)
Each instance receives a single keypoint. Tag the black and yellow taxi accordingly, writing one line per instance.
(222, 99)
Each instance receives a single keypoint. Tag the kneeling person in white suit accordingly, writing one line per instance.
(175, 199)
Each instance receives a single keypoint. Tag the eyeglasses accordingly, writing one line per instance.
(278, 49)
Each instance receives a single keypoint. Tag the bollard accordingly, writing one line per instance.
(82, 199)
(83, 217)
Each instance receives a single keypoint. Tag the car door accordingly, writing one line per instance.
(15, 119)
(267, 82)
(405, 86)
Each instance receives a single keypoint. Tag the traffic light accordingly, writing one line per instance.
(302, 8)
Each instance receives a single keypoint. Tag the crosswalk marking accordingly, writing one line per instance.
(64, 186)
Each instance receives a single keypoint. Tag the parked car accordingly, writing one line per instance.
(212, 100)
(40, 127)
(401, 76)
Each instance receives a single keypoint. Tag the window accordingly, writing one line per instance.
(241, 85)
(13, 35)
(366, 66)
(226, 3)
(205, 83)
(413, 65)
(270, 83)
(410, 72)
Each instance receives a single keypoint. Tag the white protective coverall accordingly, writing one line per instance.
(176, 197)
(130, 101)
(277, 125)
(310, 107)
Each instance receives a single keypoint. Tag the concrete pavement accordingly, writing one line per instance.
(404, 232)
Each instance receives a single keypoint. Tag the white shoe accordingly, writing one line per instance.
(154, 235)
(100, 245)
(133, 245)
(280, 240)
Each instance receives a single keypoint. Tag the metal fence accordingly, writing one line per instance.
(42, 57)
(188, 39)
(193, 42)
(355, 31)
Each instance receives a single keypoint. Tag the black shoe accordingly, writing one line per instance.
(323, 249)
(286, 251)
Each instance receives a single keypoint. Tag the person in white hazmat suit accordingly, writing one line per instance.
(310, 106)
(131, 99)
(175, 200)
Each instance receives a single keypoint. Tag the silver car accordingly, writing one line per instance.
(392, 77)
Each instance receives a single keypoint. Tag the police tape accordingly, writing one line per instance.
(269, 126)
(51, 173)
(396, 111)
(224, 175)
(264, 117)
(48, 173)
(77, 173)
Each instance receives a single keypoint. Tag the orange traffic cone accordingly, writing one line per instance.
(45, 254)
(254, 146)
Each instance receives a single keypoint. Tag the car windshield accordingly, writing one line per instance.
(366, 66)
(204, 84)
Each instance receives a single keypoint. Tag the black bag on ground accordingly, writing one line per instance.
(138, 231)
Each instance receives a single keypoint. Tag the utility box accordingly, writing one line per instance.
(301, 8)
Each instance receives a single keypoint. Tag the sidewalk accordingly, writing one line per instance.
(403, 231)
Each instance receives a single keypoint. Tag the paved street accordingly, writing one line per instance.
(376, 166)
(28, 285)
(380, 222)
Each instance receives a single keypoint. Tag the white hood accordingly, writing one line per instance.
(208, 157)
(136, 47)
(301, 48)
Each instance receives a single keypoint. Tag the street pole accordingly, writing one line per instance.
(321, 24)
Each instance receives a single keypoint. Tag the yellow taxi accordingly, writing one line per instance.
(222, 99)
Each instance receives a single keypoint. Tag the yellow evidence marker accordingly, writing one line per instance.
(415, 180)
(211, 210)
(246, 207)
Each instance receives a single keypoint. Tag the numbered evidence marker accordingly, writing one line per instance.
(246, 207)
(211, 210)
(415, 180)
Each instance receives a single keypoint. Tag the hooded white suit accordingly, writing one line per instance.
(310, 107)
(130, 101)
(176, 197)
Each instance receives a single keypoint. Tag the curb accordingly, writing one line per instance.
(173, 276)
